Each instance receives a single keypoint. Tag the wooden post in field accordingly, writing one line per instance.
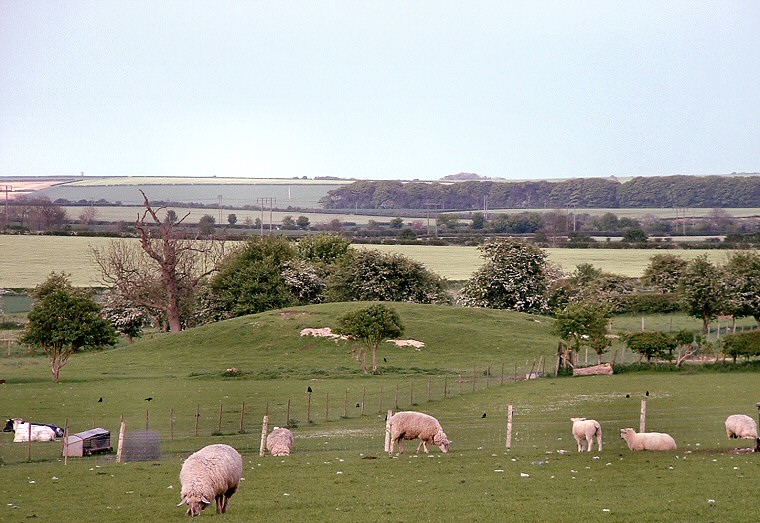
(242, 418)
(642, 323)
(515, 371)
(308, 409)
(445, 385)
(381, 400)
(474, 375)
(411, 392)
(543, 365)
(509, 427)
(120, 448)
(327, 407)
(287, 413)
(429, 388)
(147, 419)
(66, 443)
(586, 356)
(221, 412)
(395, 398)
(501, 382)
(197, 418)
(364, 398)
(643, 417)
(532, 369)
(171, 424)
(345, 405)
(264, 432)
(388, 431)
(29, 443)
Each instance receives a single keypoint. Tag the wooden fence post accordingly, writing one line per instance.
(197, 418)
(381, 400)
(429, 388)
(501, 379)
(242, 418)
(221, 412)
(264, 432)
(364, 398)
(29, 443)
(395, 399)
(445, 385)
(643, 417)
(509, 427)
(345, 405)
(66, 443)
(388, 430)
(287, 414)
(308, 409)
(171, 424)
(120, 448)
(473, 378)
(411, 392)
(327, 407)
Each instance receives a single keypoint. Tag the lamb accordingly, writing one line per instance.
(647, 440)
(213, 472)
(741, 426)
(280, 442)
(410, 425)
(584, 431)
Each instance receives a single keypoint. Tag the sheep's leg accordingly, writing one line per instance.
(220, 504)
(590, 442)
(424, 447)
(599, 441)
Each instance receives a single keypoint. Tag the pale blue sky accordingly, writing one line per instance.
(379, 89)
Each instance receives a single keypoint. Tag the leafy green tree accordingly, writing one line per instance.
(584, 323)
(322, 248)
(206, 225)
(743, 271)
(651, 344)
(250, 279)
(370, 326)
(447, 220)
(302, 222)
(288, 223)
(370, 275)
(664, 272)
(63, 321)
(635, 235)
(477, 221)
(397, 223)
(513, 276)
(702, 292)
(232, 219)
(744, 344)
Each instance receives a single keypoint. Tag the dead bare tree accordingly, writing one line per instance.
(164, 273)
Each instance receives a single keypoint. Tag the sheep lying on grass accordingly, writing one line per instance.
(213, 472)
(412, 425)
(280, 442)
(741, 426)
(647, 440)
(584, 431)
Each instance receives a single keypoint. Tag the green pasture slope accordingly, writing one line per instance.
(338, 471)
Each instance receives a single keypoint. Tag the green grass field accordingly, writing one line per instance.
(28, 260)
(338, 471)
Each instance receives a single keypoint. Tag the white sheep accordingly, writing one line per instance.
(584, 431)
(213, 472)
(280, 442)
(411, 425)
(741, 426)
(647, 440)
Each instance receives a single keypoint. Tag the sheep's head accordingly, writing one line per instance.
(194, 505)
(442, 441)
(625, 432)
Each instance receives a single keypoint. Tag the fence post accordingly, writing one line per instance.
(171, 424)
(308, 409)
(147, 419)
(66, 443)
(287, 413)
(411, 393)
(120, 448)
(29, 443)
(509, 427)
(643, 417)
(473, 379)
(345, 405)
(428, 388)
(242, 418)
(395, 400)
(327, 407)
(264, 431)
(219, 425)
(445, 386)
(364, 398)
(197, 418)
(501, 382)
(515, 372)
(388, 430)
(381, 400)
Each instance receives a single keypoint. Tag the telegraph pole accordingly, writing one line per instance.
(262, 202)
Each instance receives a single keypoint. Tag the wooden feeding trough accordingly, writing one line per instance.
(87, 443)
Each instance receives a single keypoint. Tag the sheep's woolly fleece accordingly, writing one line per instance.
(326, 332)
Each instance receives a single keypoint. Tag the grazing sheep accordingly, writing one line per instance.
(584, 431)
(213, 472)
(280, 442)
(647, 440)
(411, 425)
(741, 426)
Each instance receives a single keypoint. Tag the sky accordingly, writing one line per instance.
(379, 89)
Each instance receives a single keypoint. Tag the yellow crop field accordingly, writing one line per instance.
(27, 260)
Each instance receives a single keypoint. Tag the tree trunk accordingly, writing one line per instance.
(374, 359)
